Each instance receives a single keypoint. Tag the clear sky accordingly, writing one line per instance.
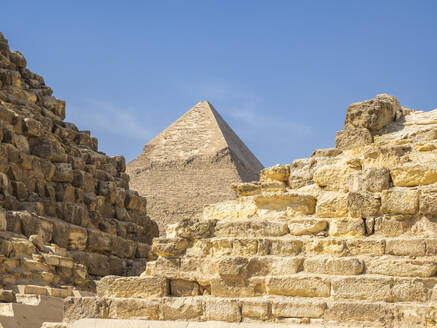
(281, 73)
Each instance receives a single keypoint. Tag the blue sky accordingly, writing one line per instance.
(282, 73)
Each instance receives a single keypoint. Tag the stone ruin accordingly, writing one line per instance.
(347, 237)
(190, 164)
(67, 216)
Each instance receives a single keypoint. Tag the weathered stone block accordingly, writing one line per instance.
(413, 174)
(332, 204)
(190, 309)
(232, 209)
(401, 267)
(135, 287)
(363, 204)
(298, 309)
(353, 138)
(334, 266)
(168, 247)
(300, 227)
(132, 308)
(222, 310)
(298, 286)
(363, 288)
(405, 247)
(257, 310)
(275, 173)
(373, 114)
(399, 201)
(347, 228)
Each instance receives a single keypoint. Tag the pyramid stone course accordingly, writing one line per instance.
(345, 237)
(67, 216)
(190, 164)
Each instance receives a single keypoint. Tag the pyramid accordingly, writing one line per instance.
(345, 238)
(67, 216)
(190, 164)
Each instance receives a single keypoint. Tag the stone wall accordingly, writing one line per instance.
(67, 215)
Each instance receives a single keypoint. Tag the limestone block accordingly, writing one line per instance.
(365, 247)
(63, 173)
(222, 310)
(413, 174)
(334, 266)
(21, 143)
(347, 228)
(363, 204)
(69, 236)
(181, 309)
(373, 114)
(428, 203)
(299, 227)
(285, 247)
(410, 291)
(99, 241)
(298, 308)
(181, 288)
(257, 310)
(136, 287)
(191, 229)
(244, 247)
(255, 188)
(32, 289)
(331, 205)
(232, 267)
(327, 152)
(301, 173)
(405, 247)
(251, 228)
(392, 226)
(375, 314)
(353, 138)
(7, 296)
(298, 286)
(292, 203)
(237, 287)
(55, 105)
(131, 308)
(32, 127)
(232, 209)
(399, 201)
(332, 177)
(275, 173)
(122, 247)
(326, 246)
(400, 267)
(168, 247)
(76, 308)
(97, 264)
(282, 265)
(201, 248)
(363, 288)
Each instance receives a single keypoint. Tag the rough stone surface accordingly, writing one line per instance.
(67, 216)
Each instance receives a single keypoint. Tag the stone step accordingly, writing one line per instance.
(308, 246)
(313, 226)
(321, 311)
(387, 265)
(363, 287)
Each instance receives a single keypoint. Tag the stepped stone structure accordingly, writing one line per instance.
(190, 164)
(347, 237)
(67, 216)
